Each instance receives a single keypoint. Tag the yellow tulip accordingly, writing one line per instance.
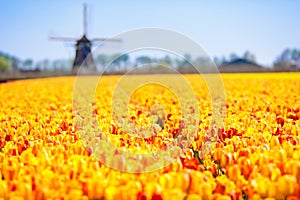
(45, 153)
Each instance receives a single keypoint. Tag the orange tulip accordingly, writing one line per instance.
(44, 154)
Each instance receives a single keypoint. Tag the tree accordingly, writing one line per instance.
(187, 58)
(249, 56)
(142, 60)
(220, 60)
(4, 64)
(184, 63)
(28, 63)
(116, 60)
(57, 65)
(14, 64)
(203, 62)
(102, 59)
(124, 58)
(46, 64)
(217, 61)
(295, 55)
(166, 60)
(233, 56)
(288, 59)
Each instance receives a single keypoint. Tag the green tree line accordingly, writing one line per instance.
(289, 59)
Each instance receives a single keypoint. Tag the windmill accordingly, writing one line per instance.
(83, 45)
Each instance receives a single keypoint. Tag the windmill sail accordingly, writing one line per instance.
(84, 19)
(71, 39)
(107, 39)
(83, 54)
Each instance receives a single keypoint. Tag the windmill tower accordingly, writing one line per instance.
(83, 45)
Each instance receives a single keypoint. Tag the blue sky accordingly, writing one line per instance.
(265, 28)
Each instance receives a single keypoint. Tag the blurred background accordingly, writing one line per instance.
(239, 36)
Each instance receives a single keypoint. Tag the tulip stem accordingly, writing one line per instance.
(244, 195)
(196, 155)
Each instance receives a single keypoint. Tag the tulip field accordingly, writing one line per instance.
(256, 154)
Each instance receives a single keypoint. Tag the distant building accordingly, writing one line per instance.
(241, 65)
